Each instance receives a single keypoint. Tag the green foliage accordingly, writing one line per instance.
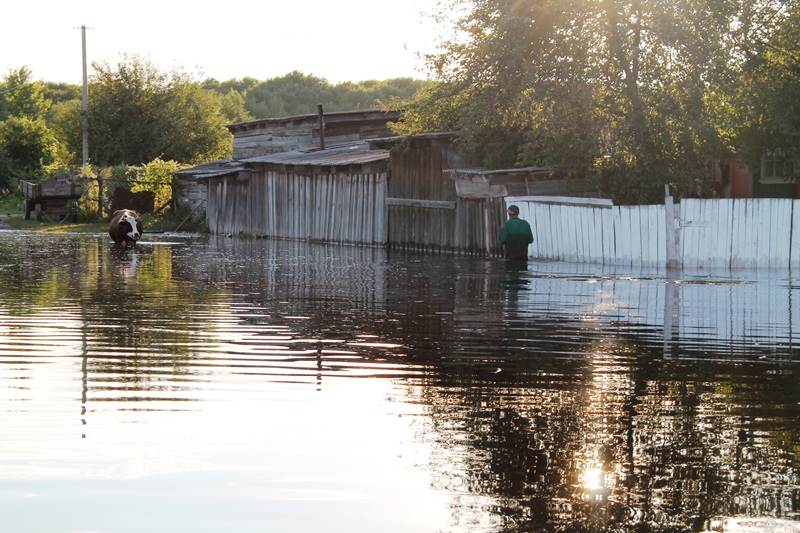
(27, 144)
(64, 119)
(173, 220)
(7, 171)
(61, 92)
(763, 106)
(88, 208)
(22, 97)
(138, 113)
(196, 128)
(298, 94)
(156, 176)
(240, 86)
(10, 200)
(281, 97)
(617, 92)
(233, 109)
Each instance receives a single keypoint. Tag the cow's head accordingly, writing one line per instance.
(133, 234)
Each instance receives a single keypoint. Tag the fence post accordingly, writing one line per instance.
(673, 261)
(100, 186)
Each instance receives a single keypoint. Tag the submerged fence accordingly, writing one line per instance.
(718, 233)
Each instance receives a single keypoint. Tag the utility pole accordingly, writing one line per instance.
(85, 114)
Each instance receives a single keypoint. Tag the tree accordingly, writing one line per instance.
(156, 176)
(298, 94)
(195, 130)
(233, 109)
(292, 94)
(22, 97)
(763, 107)
(65, 119)
(58, 92)
(615, 91)
(27, 145)
(138, 113)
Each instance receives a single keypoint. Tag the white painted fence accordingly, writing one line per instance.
(719, 233)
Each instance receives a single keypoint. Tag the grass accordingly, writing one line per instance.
(151, 223)
(56, 227)
(10, 202)
(167, 220)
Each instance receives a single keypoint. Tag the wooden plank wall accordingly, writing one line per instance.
(339, 207)
(274, 138)
(715, 233)
(417, 173)
(478, 222)
(352, 208)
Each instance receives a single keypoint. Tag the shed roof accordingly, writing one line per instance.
(389, 142)
(342, 154)
(335, 117)
(527, 171)
(212, 169)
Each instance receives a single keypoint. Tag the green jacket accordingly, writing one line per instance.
(516, 235)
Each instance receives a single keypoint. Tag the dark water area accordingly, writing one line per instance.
(204, 384)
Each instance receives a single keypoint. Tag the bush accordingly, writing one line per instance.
(171, 219)
(10, 198)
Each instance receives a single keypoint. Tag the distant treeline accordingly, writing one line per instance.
(138, 115)
(292, 94)
(298, 94)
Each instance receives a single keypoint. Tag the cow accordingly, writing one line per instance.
(125, 228)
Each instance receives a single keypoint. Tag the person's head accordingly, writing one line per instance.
(513, 211)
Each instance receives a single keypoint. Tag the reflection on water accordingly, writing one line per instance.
(253, 385)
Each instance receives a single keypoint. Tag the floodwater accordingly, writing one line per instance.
(248, 385)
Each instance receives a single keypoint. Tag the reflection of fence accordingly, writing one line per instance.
(276, 270)
(749, 233)
(720, 309)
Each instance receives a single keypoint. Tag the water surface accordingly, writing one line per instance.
(256, 385)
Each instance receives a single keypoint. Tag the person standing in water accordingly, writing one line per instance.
(515, 236)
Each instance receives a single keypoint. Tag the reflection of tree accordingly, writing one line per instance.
(544, 423)
(539, 419)
(671, 455)
(132, 314)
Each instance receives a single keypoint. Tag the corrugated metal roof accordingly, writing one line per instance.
(344, 154)
(212, 169)
(432, 135)
(359, 115)
(501, 171)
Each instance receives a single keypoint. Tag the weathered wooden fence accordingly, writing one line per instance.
(337, 207)
(728, 233)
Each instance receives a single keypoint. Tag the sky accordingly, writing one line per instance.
(339, 40)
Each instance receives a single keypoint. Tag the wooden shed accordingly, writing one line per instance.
(434, 204)
(426, 209)
(332, 195)
(190, 184)
(275, 135)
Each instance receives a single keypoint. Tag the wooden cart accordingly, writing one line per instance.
(56, 197)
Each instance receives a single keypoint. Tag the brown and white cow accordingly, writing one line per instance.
(125, 228)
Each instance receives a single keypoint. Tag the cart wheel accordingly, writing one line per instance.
(73, 212)
(38, 212)
(26, 209)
